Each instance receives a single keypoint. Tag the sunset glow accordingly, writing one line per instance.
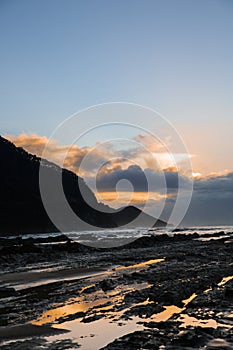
(128, 197)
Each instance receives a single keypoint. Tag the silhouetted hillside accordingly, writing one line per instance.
(21, 206)
(126, 215)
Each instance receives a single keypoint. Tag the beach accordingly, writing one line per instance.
(159, 291)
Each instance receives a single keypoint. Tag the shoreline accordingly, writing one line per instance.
(154, 283)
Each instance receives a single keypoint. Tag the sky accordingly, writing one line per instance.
(176, 57)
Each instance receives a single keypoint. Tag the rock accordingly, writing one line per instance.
(71, 317)
(92, 318)
(218, 344)
(106, 285)
(228, 293)
(88, 290)
(7, 292)
(188, 338)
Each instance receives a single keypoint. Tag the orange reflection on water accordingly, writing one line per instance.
(225, 280)
(187, 301)
(172, 310)
(167, 313)
(192, 321)
(52, 315)
(139, 265)
(85, 303)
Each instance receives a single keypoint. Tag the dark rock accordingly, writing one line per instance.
(228, 293)
(88, 290)
(92, 318)
(71, 317)
(7, 292)
(106, 285)
(188, 338)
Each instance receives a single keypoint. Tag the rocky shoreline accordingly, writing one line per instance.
(159, 292)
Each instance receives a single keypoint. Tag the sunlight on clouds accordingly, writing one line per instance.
(135, 165)
(153, 156)
(196, 175)
(128, 197)
(72, 154)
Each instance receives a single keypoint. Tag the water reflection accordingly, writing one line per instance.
(140, 265)
(225, 280)
(97, 333)
(98, 301)
(171, 310)
(187, 320)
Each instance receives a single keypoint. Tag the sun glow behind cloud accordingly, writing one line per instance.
(207, 196)
(153, 156)
(73, 155)
(135, 164)
(115, 198)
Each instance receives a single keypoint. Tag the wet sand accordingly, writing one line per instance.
(28, 330)
(155, 293)
(28, 279)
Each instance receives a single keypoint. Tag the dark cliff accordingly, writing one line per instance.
(21, 207)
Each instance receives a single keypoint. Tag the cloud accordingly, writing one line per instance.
(141, 180)
(122, 198)
(150, 142)
(133, 174)
(145, 151)
(127, 170)
(212, 202)
(71, 154)
(215, 184)
(30, 142)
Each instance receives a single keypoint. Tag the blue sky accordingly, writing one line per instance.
(175, 56)
(60, 56)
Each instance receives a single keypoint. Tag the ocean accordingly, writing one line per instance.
(120, 236)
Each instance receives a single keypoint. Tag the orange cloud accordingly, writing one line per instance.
(150, 142)
(215, 174)
(126, 198)
(30, 142)
(68, 156)
(85, 161)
